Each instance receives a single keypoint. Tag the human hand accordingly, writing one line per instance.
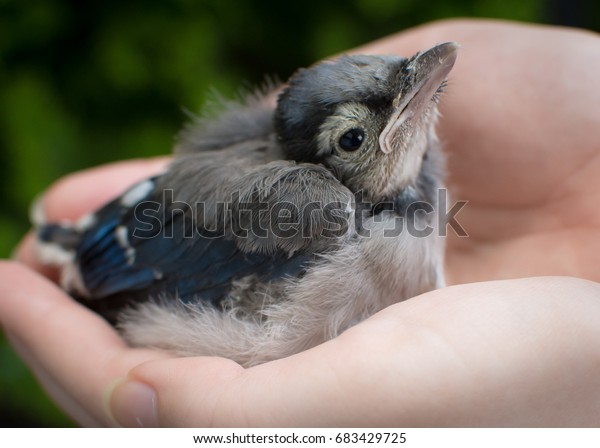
(499, 359)
(511, 353)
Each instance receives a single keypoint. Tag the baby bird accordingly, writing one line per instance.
(275, 229)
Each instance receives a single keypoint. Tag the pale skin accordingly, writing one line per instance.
(522, 132)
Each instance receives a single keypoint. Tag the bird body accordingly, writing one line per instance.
(275, 229)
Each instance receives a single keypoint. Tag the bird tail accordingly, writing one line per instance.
(55, 242)
(63, 235)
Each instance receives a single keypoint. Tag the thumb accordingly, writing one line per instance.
(179, 392)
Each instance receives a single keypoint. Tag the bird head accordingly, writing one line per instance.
(368, 119)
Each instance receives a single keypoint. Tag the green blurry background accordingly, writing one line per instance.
(84, 83)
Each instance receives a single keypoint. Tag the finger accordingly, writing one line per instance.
(179, 392)
(60, 396)
(82, 192)
(69, 343)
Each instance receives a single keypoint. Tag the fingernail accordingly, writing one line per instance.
(132, 404)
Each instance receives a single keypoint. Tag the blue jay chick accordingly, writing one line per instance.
(274, 229)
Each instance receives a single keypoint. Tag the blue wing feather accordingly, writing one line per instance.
(198, 268)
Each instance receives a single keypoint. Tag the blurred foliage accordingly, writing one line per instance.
(84, 83)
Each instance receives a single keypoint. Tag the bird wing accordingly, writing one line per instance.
(159, 239)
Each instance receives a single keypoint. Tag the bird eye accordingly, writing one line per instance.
(352, 139)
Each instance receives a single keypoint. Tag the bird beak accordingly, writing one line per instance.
(420, 79)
